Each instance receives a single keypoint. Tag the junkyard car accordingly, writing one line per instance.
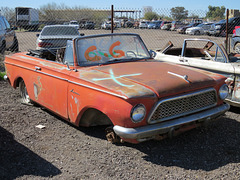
(111, 79)
(8, 38)
(182, 30)
(208, 55)
(55, 36)
(143, 24)
(154, 24)
(219, 28)
(176, 24)
(199, 29)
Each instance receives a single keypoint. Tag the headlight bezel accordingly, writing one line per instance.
(134, 117)
(223, 92)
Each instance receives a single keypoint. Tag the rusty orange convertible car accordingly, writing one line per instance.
(112, 79)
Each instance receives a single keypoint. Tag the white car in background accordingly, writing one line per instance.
(143, 24)
(206, 55)
(199, 29)
(53, 37)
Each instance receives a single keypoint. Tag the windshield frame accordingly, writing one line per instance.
(113, 60)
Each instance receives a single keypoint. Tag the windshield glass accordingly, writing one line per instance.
(110, 48)
(58, 30)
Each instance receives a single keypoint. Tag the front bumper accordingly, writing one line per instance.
(149, 131)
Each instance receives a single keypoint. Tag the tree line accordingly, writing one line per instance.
(61, 12)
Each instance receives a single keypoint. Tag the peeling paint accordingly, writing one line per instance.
(37, 87)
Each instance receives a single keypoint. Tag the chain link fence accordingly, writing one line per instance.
(155, 32)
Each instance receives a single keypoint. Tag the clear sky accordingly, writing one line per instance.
(126, 4)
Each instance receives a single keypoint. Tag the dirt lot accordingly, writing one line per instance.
(62, 151)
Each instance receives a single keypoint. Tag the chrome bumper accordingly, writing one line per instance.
(149, 131)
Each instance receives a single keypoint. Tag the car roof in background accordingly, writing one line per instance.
(64, 29)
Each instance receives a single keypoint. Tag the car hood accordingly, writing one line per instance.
(143, 78)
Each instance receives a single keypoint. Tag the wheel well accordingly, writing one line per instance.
(17, 81)
(94, 117)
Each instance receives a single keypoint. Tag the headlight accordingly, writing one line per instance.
(223, 91)
(138, 113)
(218, 27)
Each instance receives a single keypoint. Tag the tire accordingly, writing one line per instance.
(3, 47)
(23, 93)
(15, 47)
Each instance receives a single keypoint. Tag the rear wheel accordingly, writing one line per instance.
(24, 94)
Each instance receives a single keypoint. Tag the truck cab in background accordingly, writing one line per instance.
(27, 18)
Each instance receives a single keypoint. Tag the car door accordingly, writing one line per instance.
(171, 56)
(9, 33)
(49, 84)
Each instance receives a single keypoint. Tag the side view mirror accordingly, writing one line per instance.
(37, 35)
(152, 53)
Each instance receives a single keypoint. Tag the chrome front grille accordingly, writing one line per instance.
(183, 105)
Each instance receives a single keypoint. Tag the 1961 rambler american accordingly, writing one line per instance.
(112, 79)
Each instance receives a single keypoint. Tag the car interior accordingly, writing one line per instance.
(49, 54)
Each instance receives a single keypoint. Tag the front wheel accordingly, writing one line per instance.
(24, 94)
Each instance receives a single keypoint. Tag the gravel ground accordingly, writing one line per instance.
(62, 151)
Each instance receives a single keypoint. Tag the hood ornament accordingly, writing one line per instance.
(184, 77)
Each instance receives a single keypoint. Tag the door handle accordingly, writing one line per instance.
(181, 59)
(37, 68)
